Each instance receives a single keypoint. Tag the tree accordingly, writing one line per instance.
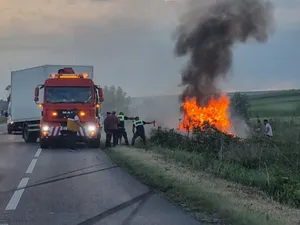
(115, 99)
(240, 103)
(8, 90)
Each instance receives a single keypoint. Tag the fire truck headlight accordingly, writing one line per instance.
(45, 128)
(91, 128)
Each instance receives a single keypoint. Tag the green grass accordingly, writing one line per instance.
(271, 165)
(275, 94)
(175, 175)
(3, 119)
(281, 103)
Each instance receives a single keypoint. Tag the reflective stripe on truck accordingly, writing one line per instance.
(55, 131)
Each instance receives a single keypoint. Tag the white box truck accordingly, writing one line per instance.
(23, 112)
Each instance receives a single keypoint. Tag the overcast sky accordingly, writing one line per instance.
(129, 43)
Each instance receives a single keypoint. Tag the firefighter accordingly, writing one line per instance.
(73, 126)
(139, 130)
(121, 127)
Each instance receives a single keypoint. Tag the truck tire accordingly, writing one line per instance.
(27, 136)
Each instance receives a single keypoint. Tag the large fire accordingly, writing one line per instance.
(216, 113)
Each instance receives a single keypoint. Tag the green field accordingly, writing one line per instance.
(276, 104)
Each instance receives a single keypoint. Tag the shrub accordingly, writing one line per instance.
(238, 159)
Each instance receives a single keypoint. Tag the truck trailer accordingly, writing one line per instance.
(43, 97)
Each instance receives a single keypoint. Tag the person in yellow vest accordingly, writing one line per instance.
(121, 127)
(73, 126)
(139, 130)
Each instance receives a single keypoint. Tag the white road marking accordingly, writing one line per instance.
(15, 199)
(31, 166)
(23, 182)
(37, 154)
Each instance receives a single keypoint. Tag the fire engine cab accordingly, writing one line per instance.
(64, 92)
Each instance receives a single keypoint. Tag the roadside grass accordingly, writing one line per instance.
(178, 176)
(272, 165)
(3, 119)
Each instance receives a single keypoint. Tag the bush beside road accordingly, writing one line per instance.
(272, 165)
(177, 175)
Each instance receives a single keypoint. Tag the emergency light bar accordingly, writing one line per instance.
(68, 76)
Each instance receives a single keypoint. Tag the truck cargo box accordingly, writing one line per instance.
(23, 83)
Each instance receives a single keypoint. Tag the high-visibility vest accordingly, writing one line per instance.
(72, 125)
(121, 117)
(138, 123)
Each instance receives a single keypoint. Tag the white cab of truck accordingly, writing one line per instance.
(22, 108)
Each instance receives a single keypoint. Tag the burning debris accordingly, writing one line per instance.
(208, 38)
(215, 113)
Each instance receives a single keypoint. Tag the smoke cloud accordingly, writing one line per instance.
(207, 36)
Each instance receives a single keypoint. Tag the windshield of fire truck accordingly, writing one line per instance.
(68, 94)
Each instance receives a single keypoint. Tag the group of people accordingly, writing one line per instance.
(263, 129)
(114, 127)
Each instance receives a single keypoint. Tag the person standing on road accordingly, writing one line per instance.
(139, 130)
(115, 129)
(111, 128)
(73, 126)
(269, 131)
(121, 127)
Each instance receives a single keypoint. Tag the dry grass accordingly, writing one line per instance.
(199, 191)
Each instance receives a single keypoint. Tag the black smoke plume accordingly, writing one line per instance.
(208, 35)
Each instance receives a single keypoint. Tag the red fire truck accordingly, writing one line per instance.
(64, 92)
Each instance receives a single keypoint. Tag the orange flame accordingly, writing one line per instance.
(216, 113)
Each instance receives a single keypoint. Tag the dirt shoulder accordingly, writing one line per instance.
(205, 197)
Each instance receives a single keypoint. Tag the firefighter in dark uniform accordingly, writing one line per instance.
(121, 127)
(139, 130)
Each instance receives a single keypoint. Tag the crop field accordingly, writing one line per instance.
(281, 103)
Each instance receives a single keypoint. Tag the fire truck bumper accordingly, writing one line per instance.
(57, 135)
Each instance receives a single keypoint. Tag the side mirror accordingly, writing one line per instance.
(36, 94)
(100, 95)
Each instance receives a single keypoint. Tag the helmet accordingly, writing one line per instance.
(121, 113)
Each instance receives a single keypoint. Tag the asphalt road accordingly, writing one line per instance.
(58, 187)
